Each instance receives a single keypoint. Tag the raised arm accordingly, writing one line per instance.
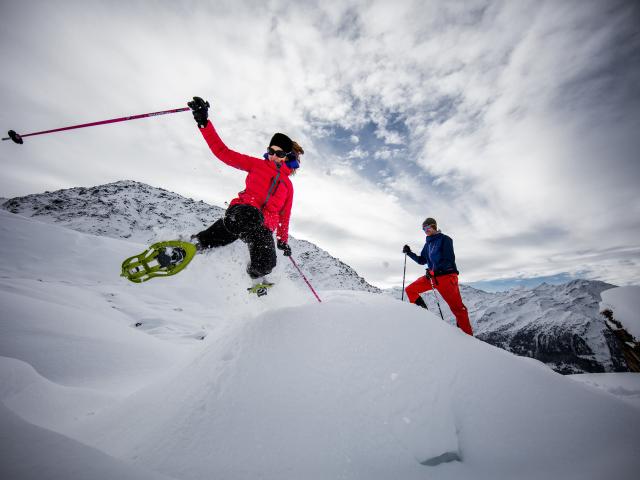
(224, 153)
(200, 109)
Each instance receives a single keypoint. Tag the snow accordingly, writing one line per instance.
(624, 385)
(624, 302)
(34, 453)
(215, 383)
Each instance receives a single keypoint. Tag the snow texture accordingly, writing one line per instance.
(189, 377)
(625, 386)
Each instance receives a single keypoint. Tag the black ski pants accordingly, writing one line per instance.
(246, 223)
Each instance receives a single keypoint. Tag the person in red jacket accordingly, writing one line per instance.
(264, 206)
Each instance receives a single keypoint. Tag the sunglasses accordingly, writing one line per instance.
(427, 227)
(277, 153)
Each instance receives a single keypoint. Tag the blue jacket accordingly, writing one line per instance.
(437, 254)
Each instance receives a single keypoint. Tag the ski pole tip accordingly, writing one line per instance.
(15, 137)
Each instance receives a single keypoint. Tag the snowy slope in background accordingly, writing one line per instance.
(146, 214)
(219, 384)
(624, 302)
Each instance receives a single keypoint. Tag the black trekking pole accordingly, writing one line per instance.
(17, 138)
(435, 295)
(404, 274)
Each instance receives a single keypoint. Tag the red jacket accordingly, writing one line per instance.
(268, 187)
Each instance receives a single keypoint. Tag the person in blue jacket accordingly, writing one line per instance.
(441, 273)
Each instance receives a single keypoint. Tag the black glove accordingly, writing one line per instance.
(286, 249)
(406, 249)
(200, 110)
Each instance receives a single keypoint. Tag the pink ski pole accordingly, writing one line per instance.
(305, 278)
(17, 138)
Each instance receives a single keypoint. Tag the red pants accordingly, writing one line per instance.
(447, 286)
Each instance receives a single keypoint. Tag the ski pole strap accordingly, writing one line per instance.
(272, 188)
(305, 278)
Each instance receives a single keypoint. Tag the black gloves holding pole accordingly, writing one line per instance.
(200, 110)
(286, 249)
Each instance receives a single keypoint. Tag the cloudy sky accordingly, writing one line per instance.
(515, 124)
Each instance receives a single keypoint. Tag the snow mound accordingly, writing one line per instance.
(366, 387)
(34, 453)
(309, 389)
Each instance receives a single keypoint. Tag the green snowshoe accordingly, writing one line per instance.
(261, 288)
(159, 260)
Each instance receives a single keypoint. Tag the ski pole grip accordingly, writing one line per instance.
(15, 137)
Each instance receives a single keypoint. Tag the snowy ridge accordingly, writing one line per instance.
(215, 383)
(124, 209)
(146, 214)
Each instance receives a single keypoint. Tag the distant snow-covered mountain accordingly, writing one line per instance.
(146, 214)
(559, 325)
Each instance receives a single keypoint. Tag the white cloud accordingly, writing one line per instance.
(357, 153)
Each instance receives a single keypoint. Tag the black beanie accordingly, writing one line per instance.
(430, 221)
(282, 141)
